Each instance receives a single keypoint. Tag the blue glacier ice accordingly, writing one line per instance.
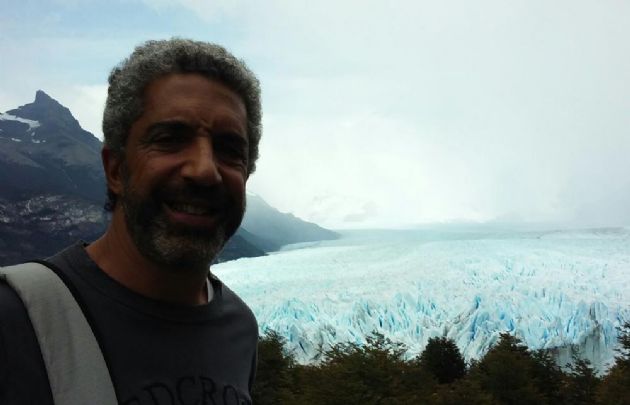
(551, 289)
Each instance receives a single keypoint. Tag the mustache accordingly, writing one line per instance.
(215, 197)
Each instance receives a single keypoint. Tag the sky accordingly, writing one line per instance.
(382, 113)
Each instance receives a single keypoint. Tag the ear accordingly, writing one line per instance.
(112, 164)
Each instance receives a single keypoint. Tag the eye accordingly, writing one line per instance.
(168, 137)
(164, 138)
(167, 142)
(231, 148)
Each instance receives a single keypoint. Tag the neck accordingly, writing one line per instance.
(117, 255)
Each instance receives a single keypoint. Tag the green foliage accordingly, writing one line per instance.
(443, 360)
(623, 357)
(464, 391)
(548, 376)
(274, 375)
(378, 373)
(374, 373)
(507, 372)
(582, 382)
(615, 386)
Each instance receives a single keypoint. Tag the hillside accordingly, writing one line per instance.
(53, 190)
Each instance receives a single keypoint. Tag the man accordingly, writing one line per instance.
(182, 124)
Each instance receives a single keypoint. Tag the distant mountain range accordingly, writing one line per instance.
(52, 191)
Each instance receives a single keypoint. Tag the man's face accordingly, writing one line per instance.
(185, 170)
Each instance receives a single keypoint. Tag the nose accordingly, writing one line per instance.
(200, 165)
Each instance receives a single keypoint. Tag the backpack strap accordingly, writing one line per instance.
(77, 371)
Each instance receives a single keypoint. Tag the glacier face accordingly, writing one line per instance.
(551, 289)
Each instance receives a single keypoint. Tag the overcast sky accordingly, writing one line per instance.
(382, 113)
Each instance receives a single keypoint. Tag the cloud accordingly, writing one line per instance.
(423, 111)
(87, 103)
(446, 111)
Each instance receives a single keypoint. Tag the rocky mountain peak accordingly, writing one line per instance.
(47, 110)
(42, 98)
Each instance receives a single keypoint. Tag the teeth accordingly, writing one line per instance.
(189, 209)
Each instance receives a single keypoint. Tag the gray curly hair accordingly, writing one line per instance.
(153, 59)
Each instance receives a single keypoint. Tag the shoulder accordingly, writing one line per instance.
(15, 324)
(232, 302)
(69, 256)
(12, 313)
(9, 300)
(240, 317)
(12, 308)
(20, 357)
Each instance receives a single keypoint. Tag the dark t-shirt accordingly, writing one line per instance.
(157, 353)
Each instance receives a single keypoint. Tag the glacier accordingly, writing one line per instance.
(552, 289)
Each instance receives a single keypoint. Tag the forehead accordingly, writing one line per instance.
(192, 93)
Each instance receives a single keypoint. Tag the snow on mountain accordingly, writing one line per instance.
(32, 124)
(552, 292)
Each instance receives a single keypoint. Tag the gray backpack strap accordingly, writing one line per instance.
(77, 371)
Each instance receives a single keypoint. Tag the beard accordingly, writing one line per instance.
(178, 246)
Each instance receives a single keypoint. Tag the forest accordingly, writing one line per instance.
(378, 373)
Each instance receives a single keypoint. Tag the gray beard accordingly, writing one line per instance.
(177, 250)
(163, 243)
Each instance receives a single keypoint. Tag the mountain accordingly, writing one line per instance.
(238, 246)
(52, 182)
(273, 229)
(44, 149)
(53, 190)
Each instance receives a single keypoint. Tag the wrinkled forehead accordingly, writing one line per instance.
(188, 88)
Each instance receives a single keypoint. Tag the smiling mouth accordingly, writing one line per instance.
(190, 209)
(200, 208)
(193, 215)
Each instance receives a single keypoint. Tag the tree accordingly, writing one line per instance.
(623, 357)
(463, 391)
(352, 373)
(507, 373)
(582, 382)
(547, 376)
(274, 381)
(443, 360)
(615, 387)
(374, 373)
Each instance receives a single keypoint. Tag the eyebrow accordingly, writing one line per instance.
(181, 126)
(171, 125)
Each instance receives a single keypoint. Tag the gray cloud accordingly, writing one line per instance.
(429, 111)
